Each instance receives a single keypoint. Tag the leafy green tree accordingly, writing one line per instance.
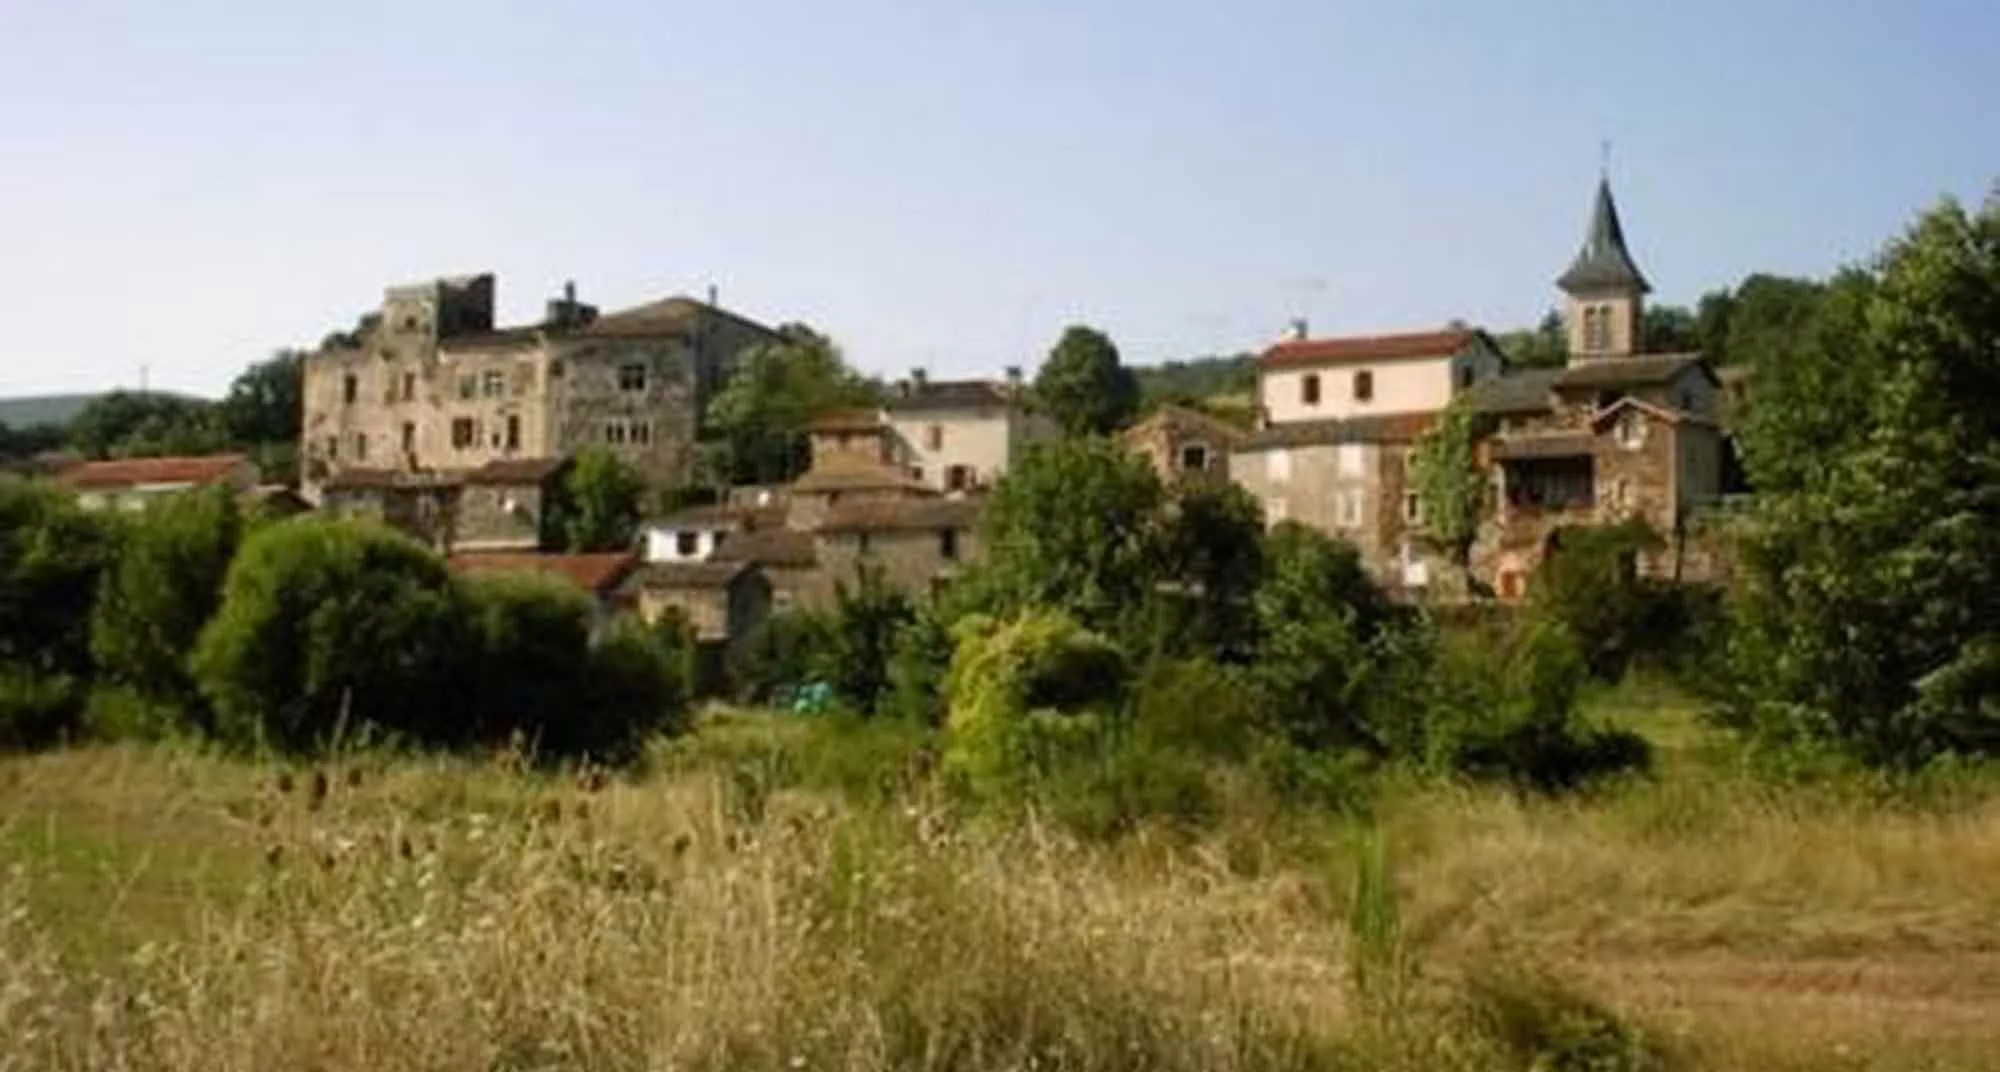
(598, 504)
(1670, 329)
(165, 586)
(1870, 611)
(146, 423)
(1445, 474)
(332, 625)
(776, 389)
(1322, 620)
(26, 442)
(1591, 586)
(1195, 381)
(1072, 528)
(264, 402)
(868, 617)
(1766, 313)
(1546, 345)
(1084, 387)
(53, 556)
(1212, 559)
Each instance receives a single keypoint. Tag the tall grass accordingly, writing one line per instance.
(161, 909)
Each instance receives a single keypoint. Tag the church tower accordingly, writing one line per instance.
(1606, 293)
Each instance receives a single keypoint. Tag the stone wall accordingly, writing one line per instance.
(593, 407)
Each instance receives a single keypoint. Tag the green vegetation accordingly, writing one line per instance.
(1084, 387)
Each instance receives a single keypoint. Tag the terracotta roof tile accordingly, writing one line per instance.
(132, 472)
(846, 472)
(1356, 348)
(595, 573)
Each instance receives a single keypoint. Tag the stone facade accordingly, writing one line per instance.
(1180, 443)
(432, 386)
(501, 506)
(722, 602)
(959, 435)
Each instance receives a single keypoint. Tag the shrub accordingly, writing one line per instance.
(632, 689)
(155, 600)
(860, 639)
(917, 668)
(781, 653)
(53, 556)
(121, 713)
(530, 639)
(1322, 621)
(37, 709)
(1591, 586)
(331, 623)
(1024, 698)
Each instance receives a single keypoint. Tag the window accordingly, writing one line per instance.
(349, 388)
(1278, 466)
(614, 432)
(1597, 329)
(333, 446)
(1364, 385)
(464, 434)
(686, 543)
(360, 446)
(948, 544)
(958, 478)
(468, 387)
(1349, 504)
(1309, 389)
(493, 384)
(1194, 457)
(1352, 458)
(1413, 508)
(409, 387)
(632, 376)
(934, 437)
(642, 432)
(409, 437)
(1464, 373)
(513, 431)
(556, 369)
(917, 472)
(1631, 431)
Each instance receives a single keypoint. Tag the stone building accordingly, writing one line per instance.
(431, 385)
(499, 506)
(722, 602)
(959, 435)
(606, 579)
(1337, 418)
(1180, 443)
(1616, 433)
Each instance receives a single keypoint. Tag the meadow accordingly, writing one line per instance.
(776, 892)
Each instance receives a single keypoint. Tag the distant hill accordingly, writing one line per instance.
(29, 411)
(1198, 379)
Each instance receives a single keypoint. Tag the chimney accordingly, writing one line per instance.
(919, 379)
(569, 292)
(1013, 377)
(1299, 329)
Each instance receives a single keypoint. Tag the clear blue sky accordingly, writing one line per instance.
(189, 185)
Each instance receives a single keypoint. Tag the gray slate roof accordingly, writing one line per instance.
(949, 394)
(1400, 428)
(1638, 371)
(1526, 391)
(1604, 262)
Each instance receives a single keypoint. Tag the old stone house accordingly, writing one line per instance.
(432, 385)
(693, 534)
(500, 506)
(723, 602)
(960, 435)
(1616, 433)
(132, 483)
(1179, 442)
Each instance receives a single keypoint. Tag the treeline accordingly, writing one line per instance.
(194, 618)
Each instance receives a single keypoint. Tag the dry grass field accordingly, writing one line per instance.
(164, 909)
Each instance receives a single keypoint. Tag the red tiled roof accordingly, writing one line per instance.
(130, 472)
(1355, 348)
(596, 573)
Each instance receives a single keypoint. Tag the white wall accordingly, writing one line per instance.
(985, 441)
(1409, 385)
(663, 544)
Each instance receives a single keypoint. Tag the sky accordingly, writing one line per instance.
(188, 186)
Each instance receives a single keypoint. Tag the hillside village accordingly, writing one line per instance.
(434, 419)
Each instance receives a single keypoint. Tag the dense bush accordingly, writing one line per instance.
(1591, 585)
(333, 625)
(860, 639)
(918, 666)
(529, 640)
(53, 556)
(37, 709)
(155, 601)
(782, 652)
(1322, 623)
(633, 688)
(1026, 698)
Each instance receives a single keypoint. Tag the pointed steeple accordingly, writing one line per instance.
(1603, 263)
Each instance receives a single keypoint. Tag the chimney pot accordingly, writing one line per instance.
(1299, 329)
(569, 292)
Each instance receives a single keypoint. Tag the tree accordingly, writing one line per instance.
(1546, 345)
(1670, 329)
(165, 586)
(53, 556)
(598, 503)
(1082, 385)
(143, 423)
(1212, 556)
(264, 402)
(1073, 528)
(332, 625)
(1320, 619)
(868, 617)
(1870, 611)
(1444, 472)
(776, 389)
